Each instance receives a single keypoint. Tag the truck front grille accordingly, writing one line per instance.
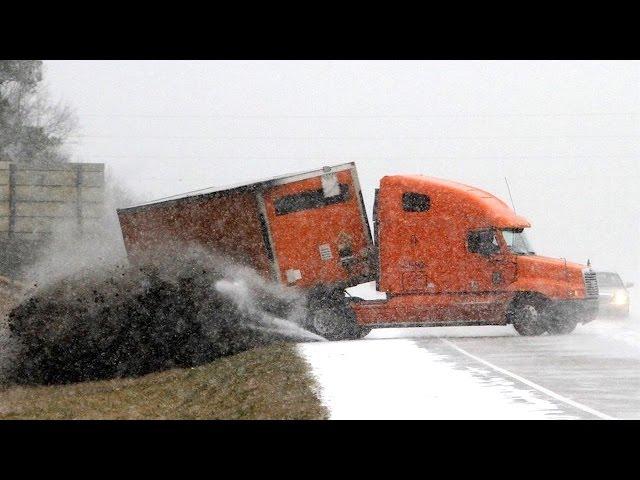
(590, 283)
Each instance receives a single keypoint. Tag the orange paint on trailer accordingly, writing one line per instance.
(226, 224)
(302, 238)
(320, 237)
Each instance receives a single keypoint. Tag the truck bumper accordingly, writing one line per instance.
(583, 310)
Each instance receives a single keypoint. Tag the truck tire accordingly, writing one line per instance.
(527, 315)
(327, 323)
(331, 316)
(336, 323)
(561, 325)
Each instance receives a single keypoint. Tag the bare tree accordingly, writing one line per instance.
(33, 129)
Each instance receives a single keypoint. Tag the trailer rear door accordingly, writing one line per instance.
(319, 229)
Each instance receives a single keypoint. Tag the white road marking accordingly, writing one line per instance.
(399, 379)
(531, 384)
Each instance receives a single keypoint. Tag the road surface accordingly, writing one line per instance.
(483, 373)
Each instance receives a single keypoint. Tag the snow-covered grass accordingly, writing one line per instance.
(397, 379)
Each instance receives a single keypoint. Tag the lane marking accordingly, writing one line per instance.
(531, 384)
(399, 379)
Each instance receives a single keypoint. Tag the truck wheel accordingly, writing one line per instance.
(527, 317)
(336, 323)
(561, 325)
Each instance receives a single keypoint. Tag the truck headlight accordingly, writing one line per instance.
(620, 297)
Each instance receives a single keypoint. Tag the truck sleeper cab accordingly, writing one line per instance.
(452, 254)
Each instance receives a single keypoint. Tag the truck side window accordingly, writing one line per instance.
(483, 242)
(309, 200)
(415, 202)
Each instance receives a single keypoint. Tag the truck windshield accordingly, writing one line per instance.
(517, 242)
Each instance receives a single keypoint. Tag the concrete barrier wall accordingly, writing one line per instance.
(36, 199)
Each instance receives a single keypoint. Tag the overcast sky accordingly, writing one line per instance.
(565, 133)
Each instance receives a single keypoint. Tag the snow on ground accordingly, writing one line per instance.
(484, 372)
(449, 332)
(625, 330)
(396, 379)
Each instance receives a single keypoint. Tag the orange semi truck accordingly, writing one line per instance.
(444, 253)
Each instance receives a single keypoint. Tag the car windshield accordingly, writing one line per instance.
(517, 242)
(608, 279)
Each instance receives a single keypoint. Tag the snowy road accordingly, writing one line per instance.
(482, 372)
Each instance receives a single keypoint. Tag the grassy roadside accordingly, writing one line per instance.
(266, 383)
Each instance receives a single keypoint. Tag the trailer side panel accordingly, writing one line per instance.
(306, 229)
(229, 224)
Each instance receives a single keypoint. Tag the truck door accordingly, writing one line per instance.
(488, 267)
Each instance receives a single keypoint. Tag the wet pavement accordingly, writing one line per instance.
(484, 372)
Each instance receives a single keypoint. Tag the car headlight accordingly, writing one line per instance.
(620, 297)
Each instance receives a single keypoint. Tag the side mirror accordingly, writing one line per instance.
(628, 285)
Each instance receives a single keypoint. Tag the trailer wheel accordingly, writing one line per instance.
(332, 317)
(527, 315)
(336, 323)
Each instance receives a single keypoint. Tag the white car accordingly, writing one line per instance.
(614, 294)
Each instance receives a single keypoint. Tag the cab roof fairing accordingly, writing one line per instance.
(496, 212)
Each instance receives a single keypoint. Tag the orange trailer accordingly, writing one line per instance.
(445, 253)
(306, 229)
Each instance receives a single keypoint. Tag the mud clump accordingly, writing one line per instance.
(127, 321)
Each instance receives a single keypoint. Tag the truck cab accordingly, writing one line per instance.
(452, 254)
